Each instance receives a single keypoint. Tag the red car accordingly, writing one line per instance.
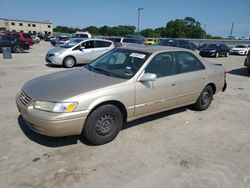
(21, 36)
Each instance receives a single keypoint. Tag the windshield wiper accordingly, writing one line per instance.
(89, 67)
(101, 71)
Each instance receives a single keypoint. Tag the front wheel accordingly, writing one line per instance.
(17, 49)
(69, 62)
(103, 124)
(226, 55)
(205, 99)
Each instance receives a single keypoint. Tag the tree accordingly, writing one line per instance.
(186, 28)
(92, 29)
(148, 33)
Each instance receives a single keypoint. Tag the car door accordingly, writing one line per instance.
(192, 77)
(158, 95)
(101, 47)
(84, 53)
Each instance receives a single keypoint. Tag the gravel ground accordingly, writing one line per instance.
(180, 148)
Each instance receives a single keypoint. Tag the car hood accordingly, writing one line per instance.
(56, 49)
(60, 86)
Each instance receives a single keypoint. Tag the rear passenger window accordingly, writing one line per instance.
(102, 44)
(187, 62)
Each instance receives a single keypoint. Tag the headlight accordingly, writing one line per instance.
(55, 107)
(59, 53)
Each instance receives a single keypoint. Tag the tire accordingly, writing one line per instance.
(205, 99)
(17, 49)
(226, 55)
(217, 55)
(103, 125)
(69, 62)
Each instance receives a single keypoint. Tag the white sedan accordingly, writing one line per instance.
(240, 49)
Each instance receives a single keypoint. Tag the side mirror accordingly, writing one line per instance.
(82, 48)
(148, 77)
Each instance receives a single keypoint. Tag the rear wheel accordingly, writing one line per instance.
(205, 99)
(17, 49)
(69, 62)
(103, 124)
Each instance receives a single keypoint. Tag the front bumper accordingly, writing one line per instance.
(237, 52)
(57, 60)
(207, 54)
(52, 124)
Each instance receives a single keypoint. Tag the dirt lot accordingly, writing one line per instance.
(179, 149)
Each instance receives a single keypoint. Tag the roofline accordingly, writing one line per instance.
(17, 20)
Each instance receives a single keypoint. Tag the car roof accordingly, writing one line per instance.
(153, 48)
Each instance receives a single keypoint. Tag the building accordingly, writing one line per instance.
(45, 27)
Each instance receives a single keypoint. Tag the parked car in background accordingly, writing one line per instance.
(22, 36)
(177, 43)
(122, 85)
(78, 51)
(241, 49)
(59, 40)
(201, 46)
(35, 39)
(215, 50)
(121, 41)
(247, 62)
(150, 41)
(139, 38)
(15, 44)
(81, 35)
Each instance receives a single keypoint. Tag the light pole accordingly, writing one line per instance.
(139, 14)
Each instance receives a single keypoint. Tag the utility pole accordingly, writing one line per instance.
(232, 28)
(204, 28)
(139, 14)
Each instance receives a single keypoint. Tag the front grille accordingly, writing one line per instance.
(24, 99)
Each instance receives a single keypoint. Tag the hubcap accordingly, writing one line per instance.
(105, 125)
(17, 49)
(205, 97)
(70, 62)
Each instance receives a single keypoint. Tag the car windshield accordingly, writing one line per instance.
(165, 42)
(71, 44)
(119, 63)
(212, 46)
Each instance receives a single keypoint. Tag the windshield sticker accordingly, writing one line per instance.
(137, 55)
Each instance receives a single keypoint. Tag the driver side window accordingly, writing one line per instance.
(88, 44)
(162, 65)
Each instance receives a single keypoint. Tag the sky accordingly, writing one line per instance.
(216, 16)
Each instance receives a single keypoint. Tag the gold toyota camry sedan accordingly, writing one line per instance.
(120, 86)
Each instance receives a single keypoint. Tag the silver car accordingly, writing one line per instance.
(78, 51)
(120, 86)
